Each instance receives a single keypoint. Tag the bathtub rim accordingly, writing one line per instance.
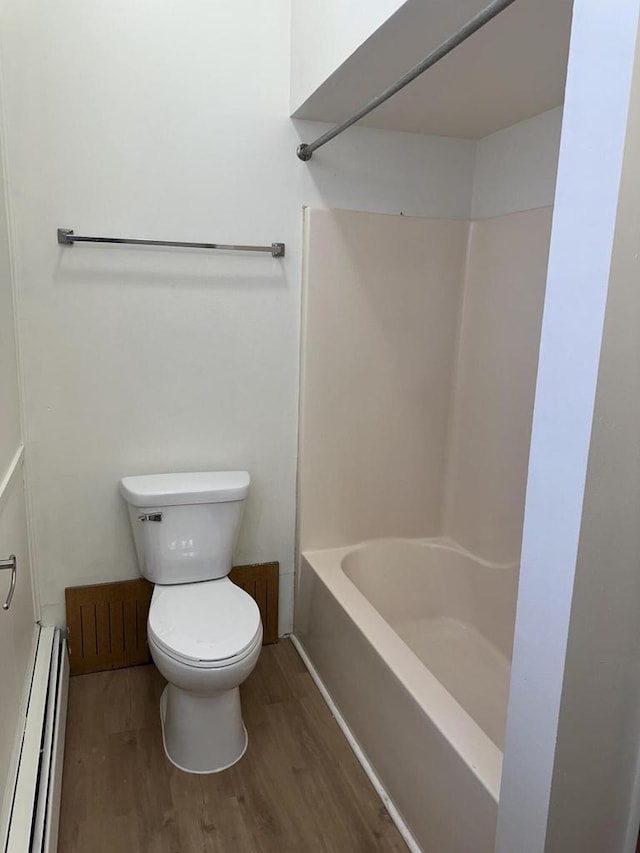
(440, 542)
(457, 727)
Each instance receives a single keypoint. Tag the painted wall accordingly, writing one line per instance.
(380, 316)
(515, 168)
(381, 172)
(18, 623)
(149, 360)
(469, 94)
(10, 428)
(602, 671)
(495, 383)
(573, 705)
(145, 360)
(594, 803)
(17, 631)
(324, 33)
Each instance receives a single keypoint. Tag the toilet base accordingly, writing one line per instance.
(202, 734)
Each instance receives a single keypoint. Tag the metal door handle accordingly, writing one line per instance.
(11, 563)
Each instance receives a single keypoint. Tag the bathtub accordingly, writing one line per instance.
(410, 642)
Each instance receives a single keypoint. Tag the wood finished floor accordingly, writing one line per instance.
(298, 788)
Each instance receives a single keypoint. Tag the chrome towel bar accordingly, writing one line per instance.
(66, 237)
(10, 563)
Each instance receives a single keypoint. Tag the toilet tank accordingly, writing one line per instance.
(185, 526)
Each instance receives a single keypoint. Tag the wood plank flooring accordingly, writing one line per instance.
(298, 789)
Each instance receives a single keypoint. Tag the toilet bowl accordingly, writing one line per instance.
(204, 658)
(204, 633)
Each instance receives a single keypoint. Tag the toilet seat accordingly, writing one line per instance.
(208, 624)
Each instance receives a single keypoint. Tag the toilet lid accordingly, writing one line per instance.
(207, 621)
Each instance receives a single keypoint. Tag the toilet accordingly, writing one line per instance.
(204, 632)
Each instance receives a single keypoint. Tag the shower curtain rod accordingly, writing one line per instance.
(305, 151)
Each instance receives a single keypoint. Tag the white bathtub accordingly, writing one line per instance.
(411, 639)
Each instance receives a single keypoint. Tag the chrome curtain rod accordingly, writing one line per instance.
(66, 237)
(305, 151)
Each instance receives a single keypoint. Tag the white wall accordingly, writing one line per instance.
(10, 428)
(602, 639)
(17, 634)
(593, 802)
(17, 624)
(148, 360)
(516, 167)
(511, 70)
(159, 120)
(324, 33)
(381, 172)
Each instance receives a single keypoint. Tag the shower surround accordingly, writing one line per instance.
(420, 341)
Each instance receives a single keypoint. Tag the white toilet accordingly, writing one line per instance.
(204, 632)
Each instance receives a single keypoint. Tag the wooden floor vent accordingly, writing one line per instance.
(107, 622)
(107, 625)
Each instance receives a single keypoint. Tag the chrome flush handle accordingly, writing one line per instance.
(12, 564)
(150, 516)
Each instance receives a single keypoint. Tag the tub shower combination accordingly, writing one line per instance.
(419, 351)
(411, 642)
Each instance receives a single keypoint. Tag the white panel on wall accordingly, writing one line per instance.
(419, 358)
(381, 306)
(495, 383)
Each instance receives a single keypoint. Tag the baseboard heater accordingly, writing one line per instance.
(35, 810)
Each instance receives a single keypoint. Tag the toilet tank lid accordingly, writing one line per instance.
(195, 487)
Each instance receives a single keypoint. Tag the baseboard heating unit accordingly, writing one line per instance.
(35, 809)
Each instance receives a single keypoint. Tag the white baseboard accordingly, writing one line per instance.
(12, 775)
(54, 794)
(381, 791)
(33, 822)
